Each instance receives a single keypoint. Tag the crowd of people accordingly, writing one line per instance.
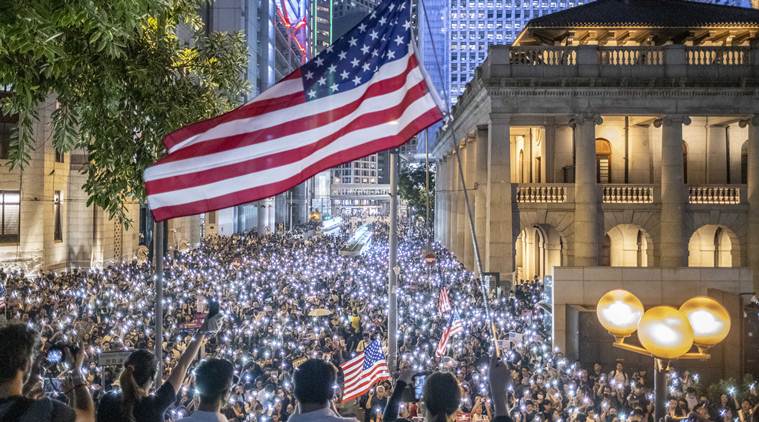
(292, 299)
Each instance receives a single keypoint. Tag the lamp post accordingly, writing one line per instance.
(664, 332)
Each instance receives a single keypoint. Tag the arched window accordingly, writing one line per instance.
(603, 161)
(744, 163)
(685, 163)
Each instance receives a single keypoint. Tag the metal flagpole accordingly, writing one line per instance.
(392, 282)
(158, 249)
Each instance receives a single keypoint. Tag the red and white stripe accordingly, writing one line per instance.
(443, 303)
(357, 382)
(279, 139)
(456, 327)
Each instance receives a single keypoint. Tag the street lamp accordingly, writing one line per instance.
(664, 332)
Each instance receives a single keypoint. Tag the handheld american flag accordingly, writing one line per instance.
(443, 302)
(365, 93)
(363, 371)
(455, 326)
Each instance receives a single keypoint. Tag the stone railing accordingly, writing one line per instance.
(711, 56)
(703, 63)
(631, 56)
(627, 194)
(714, 194)
(549, 56)
(541, 193)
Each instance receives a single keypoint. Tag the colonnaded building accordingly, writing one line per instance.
(615, 145)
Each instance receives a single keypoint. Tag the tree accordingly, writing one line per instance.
(123, 78)
(411, 188)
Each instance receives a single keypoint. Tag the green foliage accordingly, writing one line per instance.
(122, 77)
(411, 188)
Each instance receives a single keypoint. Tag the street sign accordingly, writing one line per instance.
(113, 358)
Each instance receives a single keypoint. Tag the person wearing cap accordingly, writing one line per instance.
(213, 382)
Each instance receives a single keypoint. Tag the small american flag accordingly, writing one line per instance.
(2, 297)
(363, 371)
(365, 93)
(455, 326)
(443, 303)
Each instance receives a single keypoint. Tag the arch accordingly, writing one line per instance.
(630, 246)
(603, 160)
(713, 245)
(744, 162)
(539, 248)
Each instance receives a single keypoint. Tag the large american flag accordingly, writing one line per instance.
(363, 94)
(363, 371)
(455, 326)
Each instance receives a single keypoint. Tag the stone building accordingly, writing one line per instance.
(617, 134)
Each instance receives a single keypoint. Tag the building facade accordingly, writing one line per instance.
(597, 142)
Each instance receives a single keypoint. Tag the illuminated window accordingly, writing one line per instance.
(10, 211)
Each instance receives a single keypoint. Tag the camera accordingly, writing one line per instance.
(57, 352)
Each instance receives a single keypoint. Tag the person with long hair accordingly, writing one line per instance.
(134, 403)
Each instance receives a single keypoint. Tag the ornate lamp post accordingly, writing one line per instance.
(664, 332)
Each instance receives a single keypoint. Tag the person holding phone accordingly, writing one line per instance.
(21, 397)
(134, 403)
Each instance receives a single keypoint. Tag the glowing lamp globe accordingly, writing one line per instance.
(619, 311)
(665, 332)
(708, 319)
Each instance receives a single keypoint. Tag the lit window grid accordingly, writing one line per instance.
(475, 24)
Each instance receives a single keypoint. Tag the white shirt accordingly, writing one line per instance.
(322, 415)
(204, 416)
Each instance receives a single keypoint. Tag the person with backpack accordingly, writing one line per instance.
(19, 343)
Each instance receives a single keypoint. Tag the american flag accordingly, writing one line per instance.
(363, 371)
(455, 326)
(365, 93)
(2, 297)
(443, 303)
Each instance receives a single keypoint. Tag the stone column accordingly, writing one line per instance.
(546, 153)
(261, 216)
(481, 192)
(753, 199)
(468, 160)
(452, 206)
(499, 230)
(445, 212)
(672, 244)
(438, 210)
(461, 222)
(588, 215)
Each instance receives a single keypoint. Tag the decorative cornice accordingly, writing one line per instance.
(672, 120)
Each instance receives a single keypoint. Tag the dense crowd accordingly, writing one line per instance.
(290, 297)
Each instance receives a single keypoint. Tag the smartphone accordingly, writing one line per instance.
(419, 381)
(54, 355)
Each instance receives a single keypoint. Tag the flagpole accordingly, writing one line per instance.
(158, 249)
(392, 282)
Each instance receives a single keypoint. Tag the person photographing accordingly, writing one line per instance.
(135, 403)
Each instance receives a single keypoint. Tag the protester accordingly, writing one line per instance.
(18, 343)
(213, 382)
(133, 403)
(315, 387)
(290, 297)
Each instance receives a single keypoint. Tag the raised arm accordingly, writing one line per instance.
(178, 373)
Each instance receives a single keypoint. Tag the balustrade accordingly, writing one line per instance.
(541, 194)
(551, 56)
(631, 56)
(627, 194)
(714, 194)
(710, 56)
